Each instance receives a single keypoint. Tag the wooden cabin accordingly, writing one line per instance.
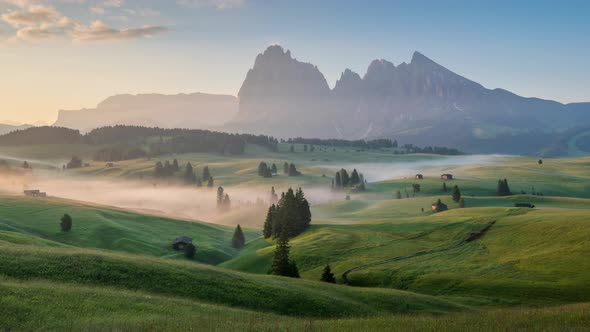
(419, 176)
(446, 176)
(181, 242)
(35, 193)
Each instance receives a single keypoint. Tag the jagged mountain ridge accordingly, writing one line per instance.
(420, 101)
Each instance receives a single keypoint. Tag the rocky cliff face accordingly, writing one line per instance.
(281, 90)
(420, 100)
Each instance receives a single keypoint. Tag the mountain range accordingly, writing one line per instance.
(419, 102)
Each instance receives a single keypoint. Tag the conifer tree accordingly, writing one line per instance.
(66, 223)
(206, 174)
(354, 178)
(338, 181)
(159, 170)
(286, 168)
(274, 198)
(175, 166)
(268, 223)
(262, 169)
(398, 195)
(344, 178)
(238, 240)
(456, 194)
(190, 250)
(462, 202)
(220, 197)
(281, 264)
(444, 188)
(327, 275)
(189, 175)
(226, 203)
(292, 149)
(210, 183)
(273, 169)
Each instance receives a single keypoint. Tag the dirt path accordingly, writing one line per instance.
(470, 238)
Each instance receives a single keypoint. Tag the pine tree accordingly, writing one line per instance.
(503, 189)
(456, 194)
(189, 175)
(238, 240)
(220, 197)
(274, 198)
(293, 170)
(206, 174)
(398, 195)
(175, 166)
(305, 148)
(286, 168)
(338, 181)
(462, 202)
(268, 223)
(344, 178)
(328, 276)
(262, 169)
(226, 203)
(444, 188)
(159, 170)
(281, 264)
(292, 148)
(273, 169)
(210, 183)
(190, 250)
(66, 223)
(354, 178)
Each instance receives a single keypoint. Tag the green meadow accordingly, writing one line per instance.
(406, 267)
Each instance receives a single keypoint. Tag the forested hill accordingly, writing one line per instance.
(151, 140)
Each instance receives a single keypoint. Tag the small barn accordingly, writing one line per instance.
(446, 176)
(419, 176)
(181, 242)
(35, 193)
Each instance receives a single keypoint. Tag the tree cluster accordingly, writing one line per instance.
(265, 171)
(129, 141)
(440, 150)
(289, 217)
(440, 206)
(75, 162)
(342, 180)
(503, 188)
(223, 201)
(360, 144)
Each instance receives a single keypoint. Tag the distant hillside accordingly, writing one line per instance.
(419, 102)
(197, 110)
(5, 128)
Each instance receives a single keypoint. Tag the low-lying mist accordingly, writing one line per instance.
(249, 202)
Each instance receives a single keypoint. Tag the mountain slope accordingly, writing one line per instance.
(197, 110)
(420, 102)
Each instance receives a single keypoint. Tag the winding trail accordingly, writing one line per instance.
(470, 238)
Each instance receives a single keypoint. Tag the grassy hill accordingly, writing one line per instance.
(114, 229)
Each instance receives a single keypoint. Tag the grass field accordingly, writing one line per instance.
(409, 268)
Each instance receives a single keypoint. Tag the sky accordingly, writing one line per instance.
(71, 54)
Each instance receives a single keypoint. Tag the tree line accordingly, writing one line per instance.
(127, 141)
(360, 144)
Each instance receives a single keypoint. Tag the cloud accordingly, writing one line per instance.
(143, 12)
(35, 22)
(97, 10)
(98, 31)
(113, 3)
(33, 15)
(219, 4)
